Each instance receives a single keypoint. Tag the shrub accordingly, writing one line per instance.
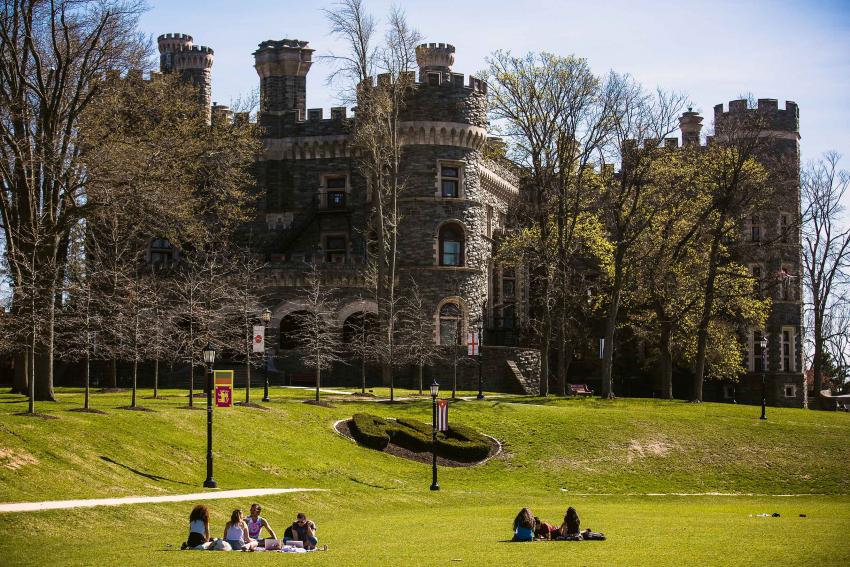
(371, 430)
(463, 443)
(460, 443)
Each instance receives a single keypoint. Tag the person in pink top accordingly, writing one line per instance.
(256, 523)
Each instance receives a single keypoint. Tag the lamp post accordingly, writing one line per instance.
(763, 376)
(480, 395)
(435, 389)
(209, 360)
(266, 317)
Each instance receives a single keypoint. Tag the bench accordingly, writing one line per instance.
(302, 379)
(580, 390)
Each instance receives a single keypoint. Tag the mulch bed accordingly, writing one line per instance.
(320, 403)
(39, 415)
(88, 410)
(344, 428)
(136, 408)
(251, 405)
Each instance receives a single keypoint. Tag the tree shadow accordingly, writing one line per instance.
(148, 476)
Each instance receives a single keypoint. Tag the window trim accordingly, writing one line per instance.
(458, 301)
(458, 227)
(459, 165)
(789, 347)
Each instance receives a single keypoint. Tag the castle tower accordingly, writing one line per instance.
(283, 66)
(771, 245)
(434, 58)
(193, 62)
(690, 124)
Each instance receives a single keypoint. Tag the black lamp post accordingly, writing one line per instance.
(480, 395)
(763, 377)
(435, 390)
(209, 360)
(266, 317)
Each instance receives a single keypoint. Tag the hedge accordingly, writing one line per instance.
(460, 443)
(370, 430)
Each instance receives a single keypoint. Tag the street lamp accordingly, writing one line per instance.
(209, 360)
(480, 395)
(266, 317)
(763, 377)
(435, 390)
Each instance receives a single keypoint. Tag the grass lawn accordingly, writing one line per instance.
(603, 457)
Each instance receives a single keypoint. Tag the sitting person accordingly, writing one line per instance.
(236, 533)
(199, 527)
(304, 530)
(570, 529)
(544, 530)
(524, 526)
(256, 523)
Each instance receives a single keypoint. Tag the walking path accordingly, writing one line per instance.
(211, 495)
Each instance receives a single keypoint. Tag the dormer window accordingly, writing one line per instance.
(450, 181)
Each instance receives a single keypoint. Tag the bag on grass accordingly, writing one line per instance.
(589, 535)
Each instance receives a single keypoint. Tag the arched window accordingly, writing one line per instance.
(450, 324)
(359, 328)
(451, 245)
(291, 328)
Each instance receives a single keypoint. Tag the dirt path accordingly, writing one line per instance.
(210, 495)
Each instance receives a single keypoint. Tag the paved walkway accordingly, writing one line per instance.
(210, 495)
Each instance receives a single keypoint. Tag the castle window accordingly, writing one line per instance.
(451, 245)
(333, 192)
(450, 181)
(508, 283)
(756, 362)
(335, 249)
(790, 390)
(161, 251)
(784, 227)
(433, 78)
(755, 229)
(449, 324)
(336, 199)
(787, 360)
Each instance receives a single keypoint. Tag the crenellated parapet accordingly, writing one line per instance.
(193, 57)
(178, 54)
(766, 116)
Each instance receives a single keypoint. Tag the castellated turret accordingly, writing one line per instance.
(690, 124)
(283, 66)
(177, 54)
(435, 57)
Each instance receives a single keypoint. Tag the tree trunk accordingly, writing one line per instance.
(191, 383)
(569, 349)
(421, 372)
(665, 360)
(363, 375)
(86, 399)
(156, 379)
(318, 381)
(113, 374)
(544, 355)
(44, 379)
(135, 378)
(705, 319)
(248, 378)
(454, 373)
(562, 363)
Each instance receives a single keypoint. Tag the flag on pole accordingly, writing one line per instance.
(472, 343)
(259, 339)
(223, 388)
(442, 415)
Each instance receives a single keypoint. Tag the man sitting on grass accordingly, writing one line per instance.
(304, 530)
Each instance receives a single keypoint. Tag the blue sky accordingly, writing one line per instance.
(714, 51)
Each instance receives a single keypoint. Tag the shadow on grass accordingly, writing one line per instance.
(352, 479)
(142, 473)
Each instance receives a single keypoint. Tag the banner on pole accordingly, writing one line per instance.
(223, 388)
(442, 415)
(473, 341)
(601, 348)
(259, 339)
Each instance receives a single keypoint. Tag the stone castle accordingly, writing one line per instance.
(315, 206)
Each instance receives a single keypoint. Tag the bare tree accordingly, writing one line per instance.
(52, 58)
(416, 332)
(826, 252)
(245, 307)
(350, 23)
(319, 335)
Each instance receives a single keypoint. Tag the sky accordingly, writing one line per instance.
(714, 51)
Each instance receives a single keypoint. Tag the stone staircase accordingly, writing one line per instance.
(527, 385)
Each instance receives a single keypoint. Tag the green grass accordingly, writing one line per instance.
(600, 456)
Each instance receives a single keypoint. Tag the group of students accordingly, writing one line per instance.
(242, 533)
(528, 527)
